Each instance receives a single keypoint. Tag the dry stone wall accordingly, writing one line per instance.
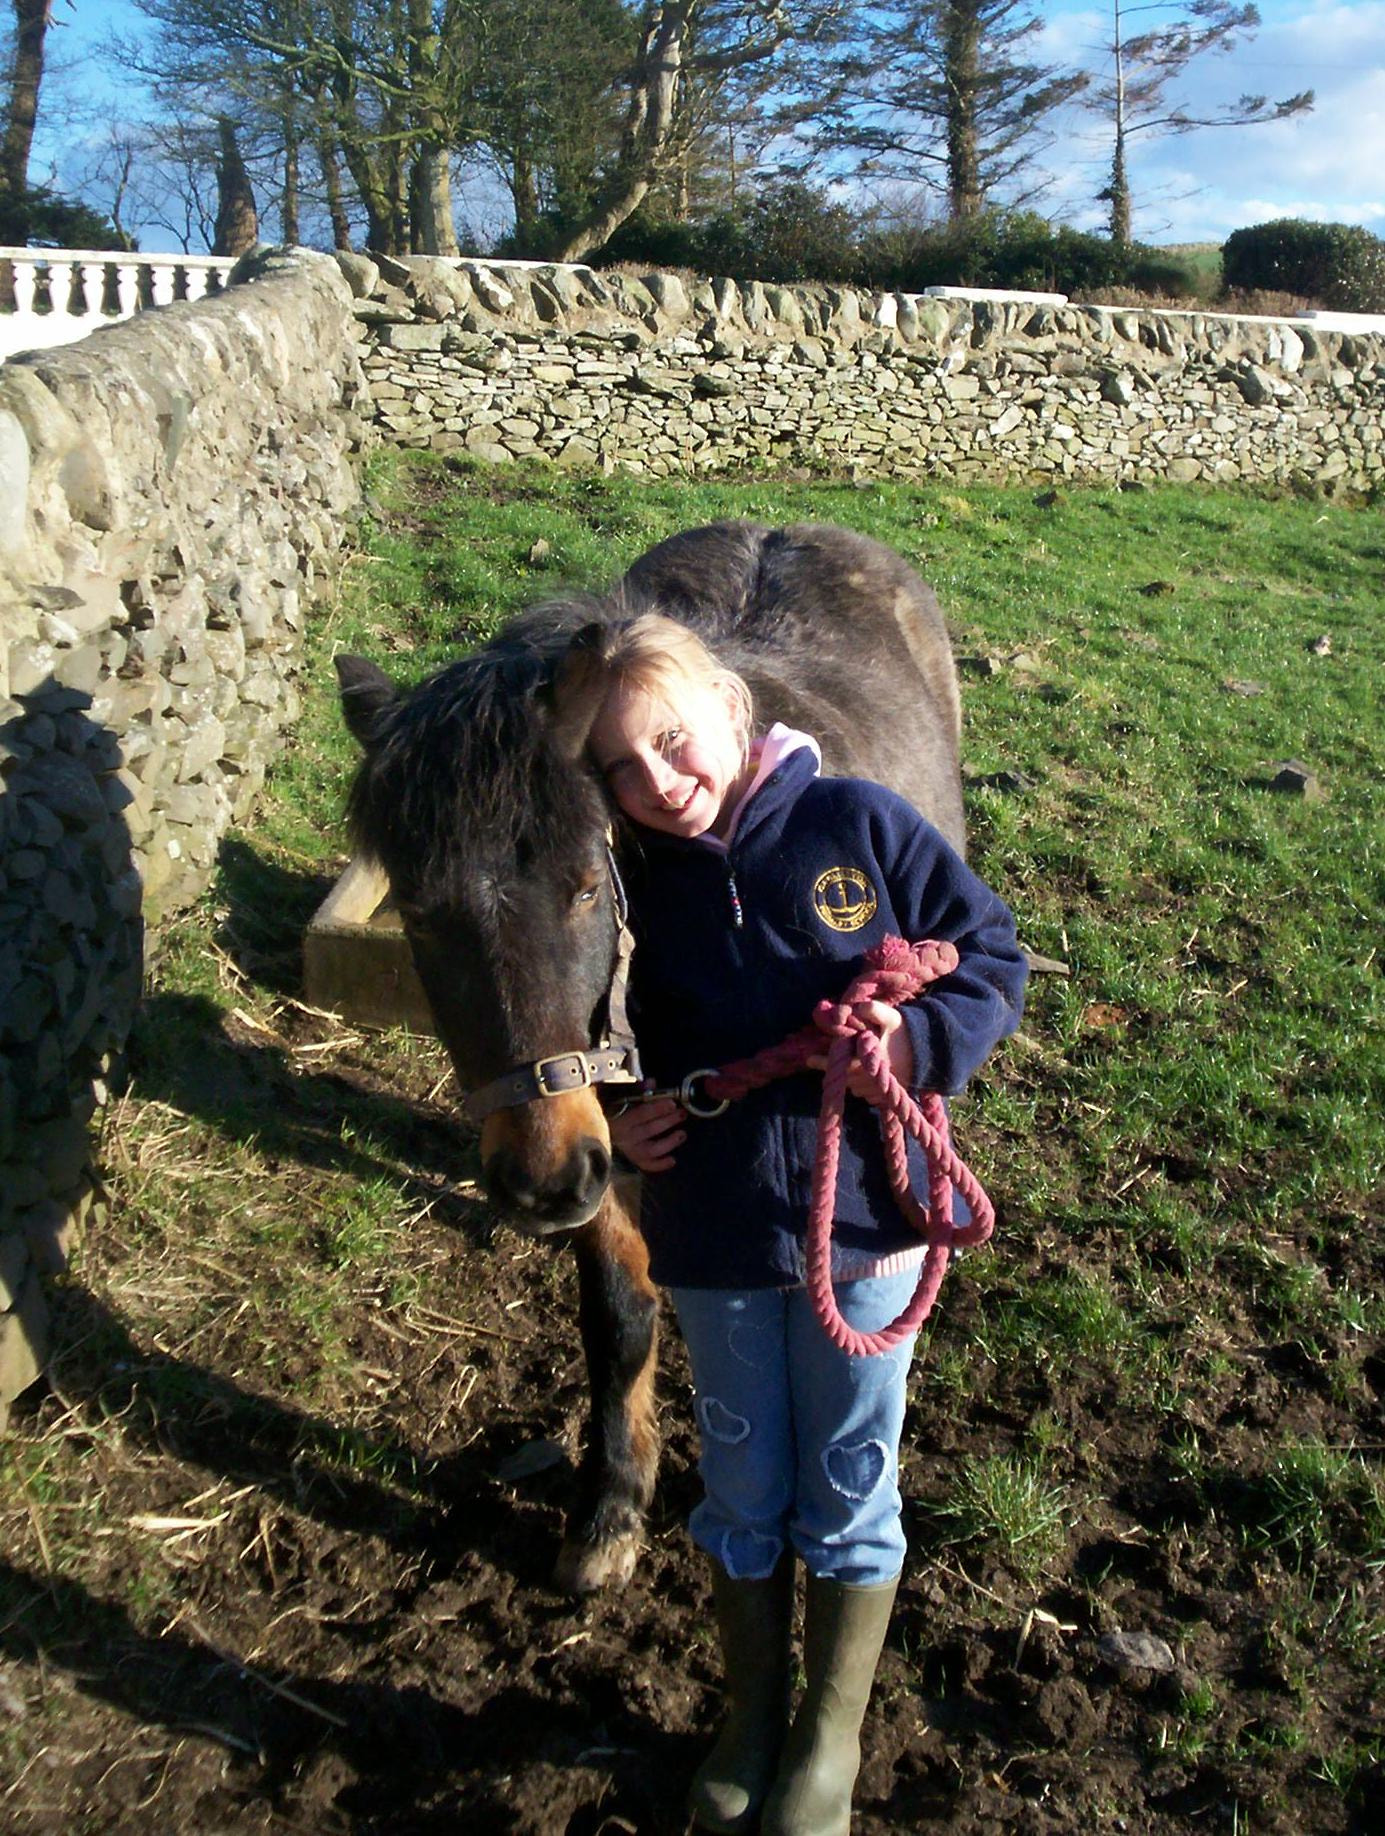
(173, 491)
(656, 375)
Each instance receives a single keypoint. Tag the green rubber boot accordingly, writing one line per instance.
(755, 1621)
(843, 1632)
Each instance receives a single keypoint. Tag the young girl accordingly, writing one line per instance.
(756, 887)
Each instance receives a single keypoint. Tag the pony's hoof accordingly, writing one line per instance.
(583, 1568)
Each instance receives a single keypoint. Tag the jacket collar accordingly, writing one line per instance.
(790, 772)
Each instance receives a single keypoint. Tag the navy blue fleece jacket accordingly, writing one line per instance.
(734, 948)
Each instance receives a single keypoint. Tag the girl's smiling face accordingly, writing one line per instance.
(672, 768)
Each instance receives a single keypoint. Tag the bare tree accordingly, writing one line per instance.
(1144, 67)
(680, 39)
(173, 181)
(109, 178)
(377, 89)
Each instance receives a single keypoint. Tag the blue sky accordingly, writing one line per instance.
(1198, 187)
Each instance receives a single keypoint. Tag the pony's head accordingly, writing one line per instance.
(474, 797)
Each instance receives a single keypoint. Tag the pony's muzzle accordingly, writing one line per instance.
(563, 1203)
(547, 1165)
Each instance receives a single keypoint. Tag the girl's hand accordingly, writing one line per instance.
(887, 1023)
(647, 1133)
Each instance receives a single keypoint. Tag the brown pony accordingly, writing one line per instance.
(474, 797)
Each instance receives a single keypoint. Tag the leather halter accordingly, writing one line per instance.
(614, 1061)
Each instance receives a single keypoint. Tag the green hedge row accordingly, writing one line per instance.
(793, 232)
(1339, 265)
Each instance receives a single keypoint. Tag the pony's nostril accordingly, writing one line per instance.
(598, 1164)
(500, 1176)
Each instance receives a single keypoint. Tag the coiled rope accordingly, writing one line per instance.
(895, 971)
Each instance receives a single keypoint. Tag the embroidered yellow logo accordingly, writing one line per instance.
(844, 899)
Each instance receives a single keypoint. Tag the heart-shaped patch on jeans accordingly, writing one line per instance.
(857, 1470)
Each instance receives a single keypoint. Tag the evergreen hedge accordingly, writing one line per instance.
(791, 231)
(1340, 265)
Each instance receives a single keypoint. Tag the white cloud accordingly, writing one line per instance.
(1200, 186)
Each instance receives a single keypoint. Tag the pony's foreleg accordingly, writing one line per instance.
(619, 1319)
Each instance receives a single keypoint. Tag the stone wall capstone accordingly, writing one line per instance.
(658, 375)
(173, 490)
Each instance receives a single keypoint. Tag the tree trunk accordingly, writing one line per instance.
(373, 182)
(31, 18)
(289, 211)
(330, 159)
(962, 75)
(524, 191)
(398, 164)
(237, 226)
(1119, 189)
(437, 233)
(115, 210)
(366, 151)
(648, 123)
(380, 233)
(1119, 193)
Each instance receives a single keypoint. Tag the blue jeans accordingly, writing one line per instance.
(800, 1441)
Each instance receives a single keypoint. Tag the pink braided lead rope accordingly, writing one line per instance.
(895, 971)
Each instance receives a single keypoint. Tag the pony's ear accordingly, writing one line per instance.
(366, 692)
(574, 696)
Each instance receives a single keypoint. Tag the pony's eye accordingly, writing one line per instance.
(587, 896)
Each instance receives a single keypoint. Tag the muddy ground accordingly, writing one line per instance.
(277, 1541)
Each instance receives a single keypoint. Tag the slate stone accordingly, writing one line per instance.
(1135, 1651)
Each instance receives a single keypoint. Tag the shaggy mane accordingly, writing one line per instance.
(464, 769)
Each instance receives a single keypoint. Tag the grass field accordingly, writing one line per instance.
(1156, 1404)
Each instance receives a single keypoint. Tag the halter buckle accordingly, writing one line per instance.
(575, 1074)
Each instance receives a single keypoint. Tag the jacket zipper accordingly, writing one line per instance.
(737, 913)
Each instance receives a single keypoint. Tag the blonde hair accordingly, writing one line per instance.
(656, 656)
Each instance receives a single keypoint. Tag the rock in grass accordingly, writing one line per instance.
(1045, 965)
(1294, 779)
(1009, 782)
(1127, 1651)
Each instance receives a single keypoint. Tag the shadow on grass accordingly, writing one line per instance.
(357, 1481)
(267, 907)
(185, 1052)
(341, 1477)
(416, 1762)
(339, 1122)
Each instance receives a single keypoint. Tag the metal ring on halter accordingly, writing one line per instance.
(687, 1093)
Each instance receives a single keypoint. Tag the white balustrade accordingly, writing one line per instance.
(57, 296)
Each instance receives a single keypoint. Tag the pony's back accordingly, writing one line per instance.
(834, 633)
